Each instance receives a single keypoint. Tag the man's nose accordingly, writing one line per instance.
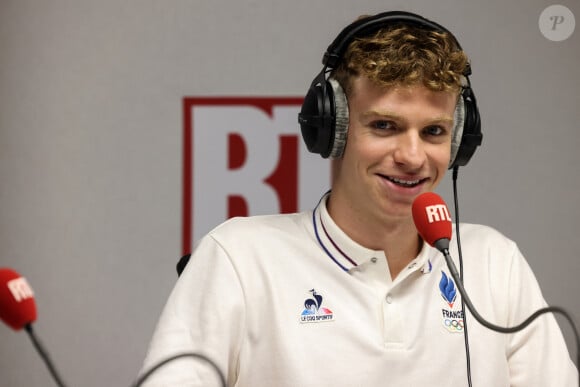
(410, 150)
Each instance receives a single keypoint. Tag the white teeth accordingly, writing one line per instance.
(409, 183)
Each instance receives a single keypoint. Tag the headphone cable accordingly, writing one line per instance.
(465, 297)
(460, 255)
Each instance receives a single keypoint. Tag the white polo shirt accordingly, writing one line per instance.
(292, 301)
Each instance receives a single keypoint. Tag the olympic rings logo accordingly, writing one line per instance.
(453, 325)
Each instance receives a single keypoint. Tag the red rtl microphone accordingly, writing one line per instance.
(18, 310)
(432, 220)
(433, 223)
(17, 305)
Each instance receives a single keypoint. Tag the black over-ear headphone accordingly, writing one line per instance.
(324, 115)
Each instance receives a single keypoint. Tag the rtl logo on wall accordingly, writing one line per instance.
(245, 156)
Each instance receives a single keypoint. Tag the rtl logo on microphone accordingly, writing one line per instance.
(20, 289)
(437, 213)
(244, 156)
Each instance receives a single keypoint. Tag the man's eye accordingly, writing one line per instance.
(434, 131)
(383, 125)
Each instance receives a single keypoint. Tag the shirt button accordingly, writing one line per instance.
(389, 299)
(374, 259)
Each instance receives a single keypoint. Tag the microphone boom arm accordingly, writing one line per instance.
(550, 309)
(44, 355)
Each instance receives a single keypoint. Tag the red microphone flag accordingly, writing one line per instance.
(17, 305)
(431, 217)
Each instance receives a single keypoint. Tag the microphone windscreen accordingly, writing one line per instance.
(17, 305)
(431, 217)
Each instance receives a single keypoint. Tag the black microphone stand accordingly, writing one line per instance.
(443, 246)
(44, 355)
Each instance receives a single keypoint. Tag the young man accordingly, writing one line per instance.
(348, 294)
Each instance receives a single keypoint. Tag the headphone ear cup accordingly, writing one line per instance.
(315, 120)
(323, 118)
(340, 119)
(470, 137)
(457, 133)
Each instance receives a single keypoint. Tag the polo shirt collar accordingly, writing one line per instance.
(348, 254)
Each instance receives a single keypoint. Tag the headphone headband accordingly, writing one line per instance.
(324, 115)
(368, 25)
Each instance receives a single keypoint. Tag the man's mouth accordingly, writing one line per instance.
(404, 182)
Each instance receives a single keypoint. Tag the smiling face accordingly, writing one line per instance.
(398, 147)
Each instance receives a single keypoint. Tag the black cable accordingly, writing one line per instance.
(146, 375)
(514, 329)
(497, 328)
(44, 355)
(457, 234)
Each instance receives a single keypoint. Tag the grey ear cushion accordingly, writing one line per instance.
(457, 133)
(340, 120)
(342, 117)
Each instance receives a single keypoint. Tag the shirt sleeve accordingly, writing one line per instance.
(537, 355)
(205, 315)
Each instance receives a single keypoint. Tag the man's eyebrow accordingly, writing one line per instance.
(375, 113)
(445, 119)
(395, 116)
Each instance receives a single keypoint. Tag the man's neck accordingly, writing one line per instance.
(398, 239)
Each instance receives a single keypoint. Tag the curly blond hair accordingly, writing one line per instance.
(404, 55)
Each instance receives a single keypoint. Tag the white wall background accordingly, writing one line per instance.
(90, 148)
